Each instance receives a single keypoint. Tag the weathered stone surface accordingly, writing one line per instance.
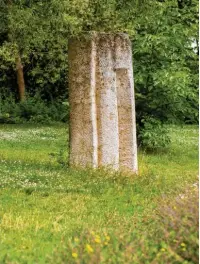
(102, 104)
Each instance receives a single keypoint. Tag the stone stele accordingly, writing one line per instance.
(102, 103)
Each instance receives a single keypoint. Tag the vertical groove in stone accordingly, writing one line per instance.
(98, 116)
(94, 103)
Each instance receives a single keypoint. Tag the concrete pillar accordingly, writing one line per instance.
(102, 104)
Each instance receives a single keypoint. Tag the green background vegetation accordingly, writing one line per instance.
(165, 57)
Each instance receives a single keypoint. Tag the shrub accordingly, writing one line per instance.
(32, 110)
(152, 134)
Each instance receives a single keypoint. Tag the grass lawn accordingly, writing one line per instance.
(44, 204)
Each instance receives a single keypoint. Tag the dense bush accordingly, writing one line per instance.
(152, 134)
(33, 110)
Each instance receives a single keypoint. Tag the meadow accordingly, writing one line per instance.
(50, 213)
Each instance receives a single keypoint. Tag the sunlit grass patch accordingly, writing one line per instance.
(35, 144)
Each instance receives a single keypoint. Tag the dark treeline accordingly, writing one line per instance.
(34, 64)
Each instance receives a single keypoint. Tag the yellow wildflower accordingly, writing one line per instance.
(163, 249)
(183, 245)
(105, 243)
(97, 239)
(89, 249)
(76, 239)
(74, 255)
(107, 238)
(93, 233)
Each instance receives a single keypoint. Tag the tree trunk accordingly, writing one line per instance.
(20, 78)
(19, 66)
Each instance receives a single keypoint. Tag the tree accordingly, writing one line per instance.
(162, 33)
(14, 40)
(166, 86)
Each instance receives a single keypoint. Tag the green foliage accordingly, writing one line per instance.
(153, 135)
(166, 86)
(33, 110)
(165, 56)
